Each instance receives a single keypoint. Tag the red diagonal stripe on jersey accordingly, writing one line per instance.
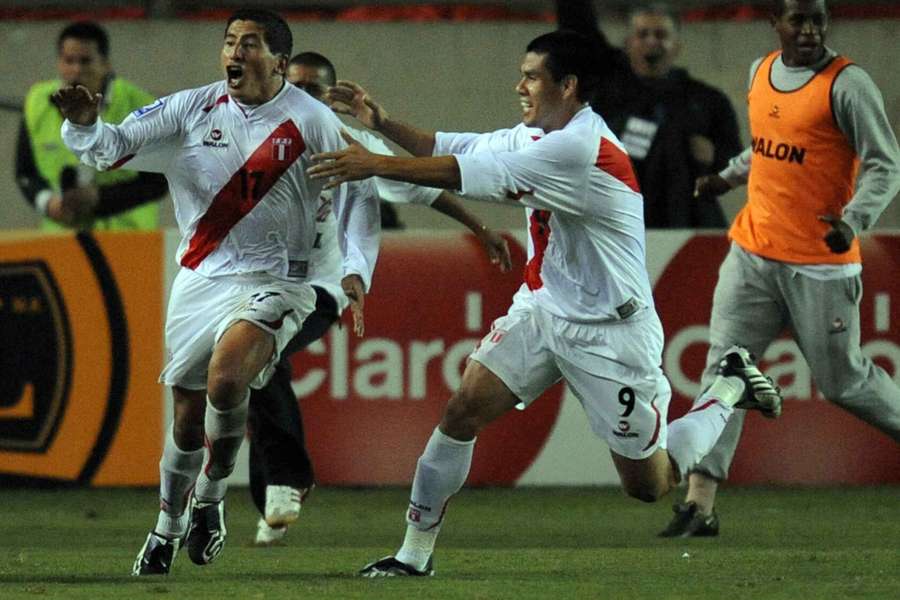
(539, 229)
(611, 159)
(244, 190)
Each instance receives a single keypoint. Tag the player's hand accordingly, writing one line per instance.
(841, 235)
(57, 211)
(349, 98)
(81, 201)
(77, 104)
(353, 287)
(496, 247)
(350, 164)
(710, 186)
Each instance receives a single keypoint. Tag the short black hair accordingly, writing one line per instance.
(316, 61)
(778, 7)
(571, 53)
(276, 32)
(661, 9)
(86, 31)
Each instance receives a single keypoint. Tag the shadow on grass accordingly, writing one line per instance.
(243, 577)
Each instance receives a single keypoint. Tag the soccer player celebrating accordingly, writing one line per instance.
(585, 312)
(236, 154)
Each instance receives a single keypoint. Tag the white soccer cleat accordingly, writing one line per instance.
(282, 505)
(268, 536)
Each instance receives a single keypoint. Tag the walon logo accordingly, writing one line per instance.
(35, 356)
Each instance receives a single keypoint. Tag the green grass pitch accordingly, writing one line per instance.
(496, 543)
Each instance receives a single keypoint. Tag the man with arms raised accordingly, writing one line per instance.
(236, 154)
(585, 313)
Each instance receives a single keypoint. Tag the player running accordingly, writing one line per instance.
(236, 154)
(585, 312)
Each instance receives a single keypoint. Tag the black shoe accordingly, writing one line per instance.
(760, 392)
(687, 522)
(391, 567)
(156, 556)
(206, 535)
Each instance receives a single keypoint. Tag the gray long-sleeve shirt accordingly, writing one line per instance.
(859, 112)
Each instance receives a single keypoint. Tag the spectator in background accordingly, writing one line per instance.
(674, 127)
(281, 472)
(50, 176)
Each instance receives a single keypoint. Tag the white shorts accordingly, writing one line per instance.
(202, 308)
(613, 368)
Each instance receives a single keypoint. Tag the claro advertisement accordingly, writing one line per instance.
(81, 321)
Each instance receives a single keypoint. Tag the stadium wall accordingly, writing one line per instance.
(440, 75)
(81, 346)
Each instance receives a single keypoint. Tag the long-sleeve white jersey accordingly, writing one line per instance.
(325, 270)
(586, 247)
(238, 178)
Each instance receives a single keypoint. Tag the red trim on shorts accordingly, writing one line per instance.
(611, 159)
(656, 429)
(246, 188)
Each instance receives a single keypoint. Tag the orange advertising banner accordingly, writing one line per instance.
(80, 350)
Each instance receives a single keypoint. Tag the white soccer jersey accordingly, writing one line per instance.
(325, 266)
(586, 249)
(238, 178)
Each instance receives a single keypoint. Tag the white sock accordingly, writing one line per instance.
(225, 430)
(178, 471)
(417, 547)
(441, 471)
(691, 437)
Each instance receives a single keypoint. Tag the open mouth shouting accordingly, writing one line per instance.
(235, 74)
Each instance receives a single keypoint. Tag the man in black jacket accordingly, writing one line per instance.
(674, 127)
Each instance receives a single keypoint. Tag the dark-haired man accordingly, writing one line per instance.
(281, 472)
(48, 174)
(823, 166)
(585, 313)
(236, 154)
(674, 127)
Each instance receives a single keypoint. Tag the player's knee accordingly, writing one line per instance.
(188, 435)
(462, 419)
(225, 389)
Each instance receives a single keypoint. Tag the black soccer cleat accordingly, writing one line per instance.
(206, 535)
(688, 522)
(156, 556)
(760, 392)
(391, 567)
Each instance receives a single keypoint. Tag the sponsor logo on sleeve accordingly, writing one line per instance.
(146, 110)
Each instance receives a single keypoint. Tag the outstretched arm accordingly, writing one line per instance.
(355, 162)
(579, 15)
(349, 98)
